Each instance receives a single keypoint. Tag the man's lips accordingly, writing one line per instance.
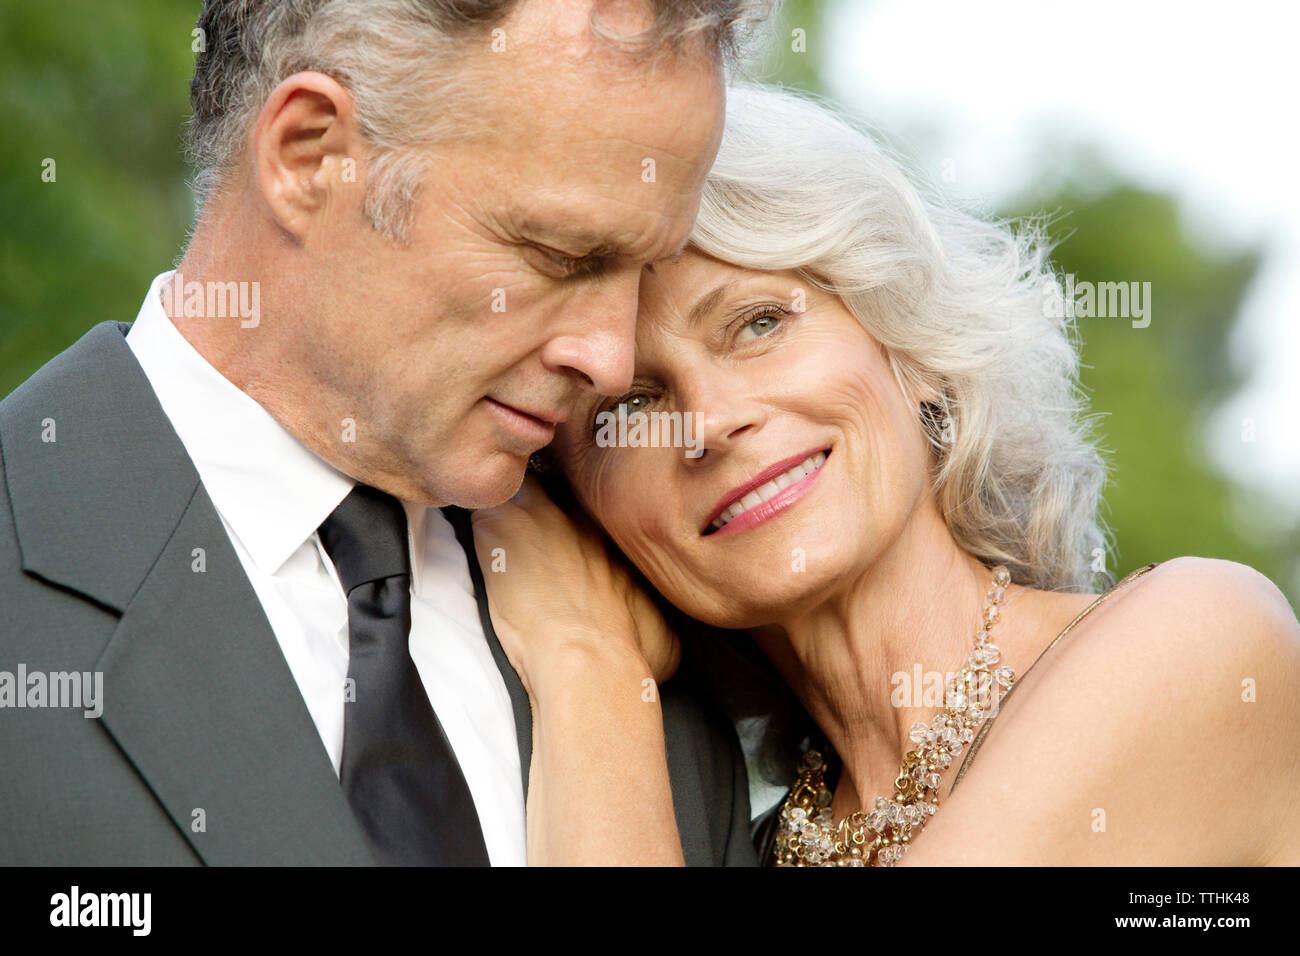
(535, 427)
(762, 478)
(545, 417)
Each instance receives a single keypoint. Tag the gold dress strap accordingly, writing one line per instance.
(985, 727)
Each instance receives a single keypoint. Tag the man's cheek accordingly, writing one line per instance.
(479, 292)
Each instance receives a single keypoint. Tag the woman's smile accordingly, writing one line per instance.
(775, 489)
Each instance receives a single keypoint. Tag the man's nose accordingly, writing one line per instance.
(598, 342)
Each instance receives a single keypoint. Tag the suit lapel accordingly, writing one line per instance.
(205, 706)
(460, 520)
(197, 693)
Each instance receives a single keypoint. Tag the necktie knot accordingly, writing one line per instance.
(365, 537)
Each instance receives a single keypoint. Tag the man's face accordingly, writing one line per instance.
(517, 291)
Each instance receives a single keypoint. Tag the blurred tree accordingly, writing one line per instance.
(101, 90)
(798, 45)
(1155, 386)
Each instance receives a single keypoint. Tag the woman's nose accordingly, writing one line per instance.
(725, 408)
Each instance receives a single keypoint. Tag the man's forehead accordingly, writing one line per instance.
(571, 91)
(567, 24)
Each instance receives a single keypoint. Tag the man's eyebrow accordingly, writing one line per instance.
(594, 243)
(598, 246)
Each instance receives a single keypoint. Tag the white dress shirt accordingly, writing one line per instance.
(272, 493)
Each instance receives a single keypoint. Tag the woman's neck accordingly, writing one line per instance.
(853, 660)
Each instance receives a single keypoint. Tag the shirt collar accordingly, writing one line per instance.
(272, 491)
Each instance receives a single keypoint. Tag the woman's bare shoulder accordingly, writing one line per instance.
(1164, 730)
(1190, 615)
(1189, 588)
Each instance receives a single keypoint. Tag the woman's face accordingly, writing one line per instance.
(776, 372)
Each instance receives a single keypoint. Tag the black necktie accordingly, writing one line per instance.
(398, 770)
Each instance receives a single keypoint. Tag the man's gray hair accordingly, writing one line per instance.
(398, 58)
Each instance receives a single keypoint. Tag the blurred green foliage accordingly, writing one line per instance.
(101, 89)
(1154, 387)
(796, 52)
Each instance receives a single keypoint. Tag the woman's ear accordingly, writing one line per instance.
(306, 145)
(932, 416)
(927, 393)
(933, 409)
(918, 390)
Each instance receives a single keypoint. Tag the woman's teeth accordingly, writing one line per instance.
(769, 490)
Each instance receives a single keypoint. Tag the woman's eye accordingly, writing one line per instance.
(628, 405)
(762, 324)
(639, 402)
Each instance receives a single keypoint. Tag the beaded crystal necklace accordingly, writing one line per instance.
(878, 837)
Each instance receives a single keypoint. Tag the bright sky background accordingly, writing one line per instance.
(1190, 97)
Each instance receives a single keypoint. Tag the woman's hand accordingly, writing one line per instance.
(586, 641)
(559, 597)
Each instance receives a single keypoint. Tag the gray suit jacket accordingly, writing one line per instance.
(205, 752)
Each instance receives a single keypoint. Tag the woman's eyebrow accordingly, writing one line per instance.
(707, 303)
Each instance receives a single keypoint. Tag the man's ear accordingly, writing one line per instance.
(306, 131)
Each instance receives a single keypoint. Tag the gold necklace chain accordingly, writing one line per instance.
(878, 837)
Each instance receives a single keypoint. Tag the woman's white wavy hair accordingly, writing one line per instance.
(967, 309)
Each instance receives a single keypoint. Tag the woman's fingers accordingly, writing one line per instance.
(553, 580)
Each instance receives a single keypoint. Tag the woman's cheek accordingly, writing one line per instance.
(589, 475)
